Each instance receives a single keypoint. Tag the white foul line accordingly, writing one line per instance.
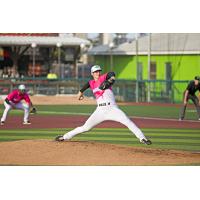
(164, 119)
(65, 113)
(136, 117)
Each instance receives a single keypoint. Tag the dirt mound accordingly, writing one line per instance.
(46, 152)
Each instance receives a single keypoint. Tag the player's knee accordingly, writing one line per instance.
(7, 109)
(26, 107)
(26, 110)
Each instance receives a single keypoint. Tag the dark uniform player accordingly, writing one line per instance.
(189, 93)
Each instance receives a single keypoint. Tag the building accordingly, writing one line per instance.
(180, 51)
(173, 56)
(34, 54)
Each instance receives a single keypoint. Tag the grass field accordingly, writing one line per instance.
(180, 139)
(139, 110)
(162, 138)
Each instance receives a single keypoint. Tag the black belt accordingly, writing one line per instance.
(104, 104)
(7, 101)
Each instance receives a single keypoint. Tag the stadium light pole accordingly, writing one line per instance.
(149, 67)
(59, 57)
(137, 70)
(33, 45)
(82, 49)
(111, 46)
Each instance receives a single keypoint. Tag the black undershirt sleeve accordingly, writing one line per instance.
(85, 87)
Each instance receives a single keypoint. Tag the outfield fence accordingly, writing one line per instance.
(125, 90)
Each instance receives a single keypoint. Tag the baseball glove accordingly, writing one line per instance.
(33, 110)
(107, 83)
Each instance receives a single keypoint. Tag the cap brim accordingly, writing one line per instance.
(97, 70)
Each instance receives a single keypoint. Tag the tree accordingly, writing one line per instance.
(15, 53)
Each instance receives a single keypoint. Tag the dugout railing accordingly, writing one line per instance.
(125, 90)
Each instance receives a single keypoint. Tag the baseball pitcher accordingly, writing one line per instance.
(13, 101)
(107, 109)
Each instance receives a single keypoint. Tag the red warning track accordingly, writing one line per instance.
(15, 122)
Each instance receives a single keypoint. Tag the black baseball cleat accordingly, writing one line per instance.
(2, 123)
(59, 138)
(146, 141)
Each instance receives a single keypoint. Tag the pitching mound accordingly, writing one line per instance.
(46, 152)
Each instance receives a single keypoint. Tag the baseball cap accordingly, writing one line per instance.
(197, 78)
(22, 87)
(95, 68)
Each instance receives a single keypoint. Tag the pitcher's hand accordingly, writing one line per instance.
(80, 96)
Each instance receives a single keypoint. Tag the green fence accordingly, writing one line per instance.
(124, 90)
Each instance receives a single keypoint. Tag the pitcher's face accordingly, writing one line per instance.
(96, 75)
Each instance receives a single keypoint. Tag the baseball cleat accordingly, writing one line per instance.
(146, 141)
(59, 138)
(27, 123)
(2, 123)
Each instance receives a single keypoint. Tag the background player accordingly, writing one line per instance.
(106, 106)
(189, 93)
(13, 101)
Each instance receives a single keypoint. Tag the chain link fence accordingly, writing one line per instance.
(124, 90)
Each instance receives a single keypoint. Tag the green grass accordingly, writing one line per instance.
(177, 139)
(180, 139)
(139, 110)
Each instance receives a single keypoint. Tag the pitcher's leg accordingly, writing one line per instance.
(6, 111)
(96, 118)
(118, 115)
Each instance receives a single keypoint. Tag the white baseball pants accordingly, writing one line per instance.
(19, 106)
(104, 113)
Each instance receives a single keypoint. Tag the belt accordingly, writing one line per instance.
(7, 101)
(104, 104)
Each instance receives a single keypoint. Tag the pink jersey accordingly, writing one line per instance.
(94, 85)
(15, 96)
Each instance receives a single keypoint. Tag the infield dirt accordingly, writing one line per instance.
(46, 152)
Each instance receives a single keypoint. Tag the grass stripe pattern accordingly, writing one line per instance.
(177, 139)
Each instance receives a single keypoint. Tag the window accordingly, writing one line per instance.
(168, 70)
(153, 71)
(168, 76)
